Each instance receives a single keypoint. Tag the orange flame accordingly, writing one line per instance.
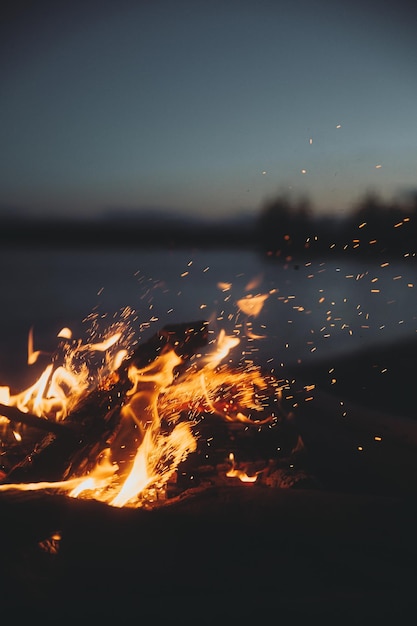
(153, 436)
(235, 472)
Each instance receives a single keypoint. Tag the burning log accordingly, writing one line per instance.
(71, 446)
(16, 416)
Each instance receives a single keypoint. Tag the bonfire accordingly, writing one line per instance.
(132, 423)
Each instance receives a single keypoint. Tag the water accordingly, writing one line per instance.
(313, 311)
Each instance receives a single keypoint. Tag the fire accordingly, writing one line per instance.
(252, 305)
(148, 413)
(235, 472)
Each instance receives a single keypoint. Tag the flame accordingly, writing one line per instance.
(156, 424)
(224, 344)
(252, 305)
(235, 472)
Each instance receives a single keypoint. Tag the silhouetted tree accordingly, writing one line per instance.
(284, 226)
(372, 227)
(385, 227)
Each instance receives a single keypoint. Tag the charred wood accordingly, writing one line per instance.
(16, 416)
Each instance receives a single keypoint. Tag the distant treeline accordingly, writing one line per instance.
(288, 228)
(123, 233)
(282, 229)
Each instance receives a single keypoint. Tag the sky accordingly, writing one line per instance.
(205, 108)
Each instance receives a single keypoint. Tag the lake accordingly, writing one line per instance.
(314, 310)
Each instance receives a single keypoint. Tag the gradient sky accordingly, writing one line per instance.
(205, 107)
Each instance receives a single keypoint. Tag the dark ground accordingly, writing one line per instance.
(234, 555)
(382, 377)
(343, 551)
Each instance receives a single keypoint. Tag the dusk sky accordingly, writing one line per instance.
(203, 107)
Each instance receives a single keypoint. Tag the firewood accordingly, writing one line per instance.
(70, 448)
(16, 416)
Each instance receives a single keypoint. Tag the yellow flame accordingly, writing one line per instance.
(33, 355)
(65, 333)
(224, 344)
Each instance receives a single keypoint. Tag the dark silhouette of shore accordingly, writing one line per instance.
(73, 233)
(282, 229)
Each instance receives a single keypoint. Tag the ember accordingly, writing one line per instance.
(133, 427)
